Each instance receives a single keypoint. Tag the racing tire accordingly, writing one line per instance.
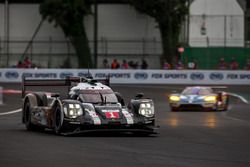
(173, 109)
(27, 117)
(41, 98)
(58, 128)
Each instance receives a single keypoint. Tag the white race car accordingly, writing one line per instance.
(198, 98)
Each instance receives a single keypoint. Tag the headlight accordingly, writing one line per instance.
(174, 98)
(146, 109)
(210, 98)
(73, 110)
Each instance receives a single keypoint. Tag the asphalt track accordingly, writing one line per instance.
(186, 139)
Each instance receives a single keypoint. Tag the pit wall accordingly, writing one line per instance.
(192, 77)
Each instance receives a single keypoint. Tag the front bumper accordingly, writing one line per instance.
(111, 129)
(193, 106)
(78, 127)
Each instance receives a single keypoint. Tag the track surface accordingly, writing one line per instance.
(186, 139)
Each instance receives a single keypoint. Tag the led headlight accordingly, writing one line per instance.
(73, 110)
(174, 98)
(146, 109)
(210, 98)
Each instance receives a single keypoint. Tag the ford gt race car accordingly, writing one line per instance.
(198, 98)
(91, 105)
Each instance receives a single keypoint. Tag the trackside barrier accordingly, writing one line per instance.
(191, 77)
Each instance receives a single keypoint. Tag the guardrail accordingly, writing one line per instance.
(192, 77)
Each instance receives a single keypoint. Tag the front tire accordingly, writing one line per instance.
(27, 117)
(58, 121)
(174, 109)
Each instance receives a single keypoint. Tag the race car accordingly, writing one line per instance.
(91, 106)
(199, 98)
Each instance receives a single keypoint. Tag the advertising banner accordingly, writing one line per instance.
(192, 77)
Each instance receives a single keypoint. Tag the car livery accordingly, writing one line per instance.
(91, 106)
(199, 98)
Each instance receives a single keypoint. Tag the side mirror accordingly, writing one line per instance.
(56, 95)
(139, 95)
(119, 98)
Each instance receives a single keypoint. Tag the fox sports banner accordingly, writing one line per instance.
(192, 77)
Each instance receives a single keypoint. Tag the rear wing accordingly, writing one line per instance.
(59, 82)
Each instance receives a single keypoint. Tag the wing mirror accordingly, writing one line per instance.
(139, 95)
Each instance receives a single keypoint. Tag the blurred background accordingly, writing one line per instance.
(212, 31)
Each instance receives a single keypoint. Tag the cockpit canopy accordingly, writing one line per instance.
(97, 96)
(197, 91)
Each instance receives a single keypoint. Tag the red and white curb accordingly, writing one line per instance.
(10, 91)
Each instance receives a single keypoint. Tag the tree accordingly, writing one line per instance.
(169, 15)
(69, 15)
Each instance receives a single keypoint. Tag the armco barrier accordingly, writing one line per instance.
(192, 77)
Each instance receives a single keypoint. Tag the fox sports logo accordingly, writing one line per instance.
(11, 75)
(141, 75)
(66, 74)
(197, 76)
(216, 76)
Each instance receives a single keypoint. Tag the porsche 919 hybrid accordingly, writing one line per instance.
(91, 106)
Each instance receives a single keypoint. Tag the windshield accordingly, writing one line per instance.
(98, 97)
(197, 91)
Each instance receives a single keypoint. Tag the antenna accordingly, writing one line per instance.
(89, 74)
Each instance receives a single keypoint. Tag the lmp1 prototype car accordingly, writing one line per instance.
(91, 105)
(198, 98)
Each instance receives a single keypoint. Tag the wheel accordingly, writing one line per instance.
(174, 109)
(27, 116)
(58, 121)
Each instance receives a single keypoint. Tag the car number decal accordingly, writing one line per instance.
(111, 115)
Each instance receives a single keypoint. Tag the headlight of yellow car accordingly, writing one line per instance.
(174, 98)
(210, 98)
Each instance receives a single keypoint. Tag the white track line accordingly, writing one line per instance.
(11, 112)
(240, 97)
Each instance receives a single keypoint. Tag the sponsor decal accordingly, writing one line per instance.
(94, 117)
(232, 76)
(27, 75)
(216, 76)
(141, 76)
(175, 76)
(197, 76)
(113, 75)
(157, 75)
(45, 75)
(100, 75)
(119, 75)
(11, 75)
(66, 74)
(128, 116)
(83, 74)
(244, 76)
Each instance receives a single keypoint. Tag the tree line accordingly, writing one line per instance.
(70, 14)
